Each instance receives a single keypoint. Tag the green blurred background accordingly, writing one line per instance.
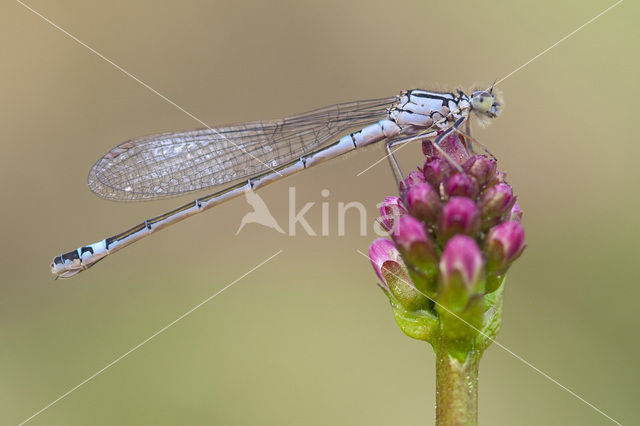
(308, 338)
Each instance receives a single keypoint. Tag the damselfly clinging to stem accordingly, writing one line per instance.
(257, 153)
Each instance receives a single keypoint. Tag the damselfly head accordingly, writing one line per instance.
(485, 104)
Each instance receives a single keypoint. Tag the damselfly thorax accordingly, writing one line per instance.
(250, 155)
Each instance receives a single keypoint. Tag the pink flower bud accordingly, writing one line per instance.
(381, 251)
(456, 147)
(459, 216)
(423, 203)
(414, 178)
(415, 245)
(516, 213)
(481, 168)
(390, 210)
(408, 230)
(436, 171)
(462, 185)
(462, 263)
(496, 201)
(503, 245)
(453, 145)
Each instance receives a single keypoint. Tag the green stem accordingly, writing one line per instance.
(456, 389)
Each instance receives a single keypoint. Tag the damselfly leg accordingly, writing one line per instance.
(468, 136)
(393, 162)
(467, 129)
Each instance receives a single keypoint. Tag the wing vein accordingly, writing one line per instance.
(173, 163)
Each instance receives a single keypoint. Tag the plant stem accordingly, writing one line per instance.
(456, 388)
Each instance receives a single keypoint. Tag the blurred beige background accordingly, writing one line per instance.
(308, 338)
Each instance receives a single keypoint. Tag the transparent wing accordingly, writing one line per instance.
(169, 164)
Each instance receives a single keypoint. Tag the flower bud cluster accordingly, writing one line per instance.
(455, 231)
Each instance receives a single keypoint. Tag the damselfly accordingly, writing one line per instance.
(250, 155)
